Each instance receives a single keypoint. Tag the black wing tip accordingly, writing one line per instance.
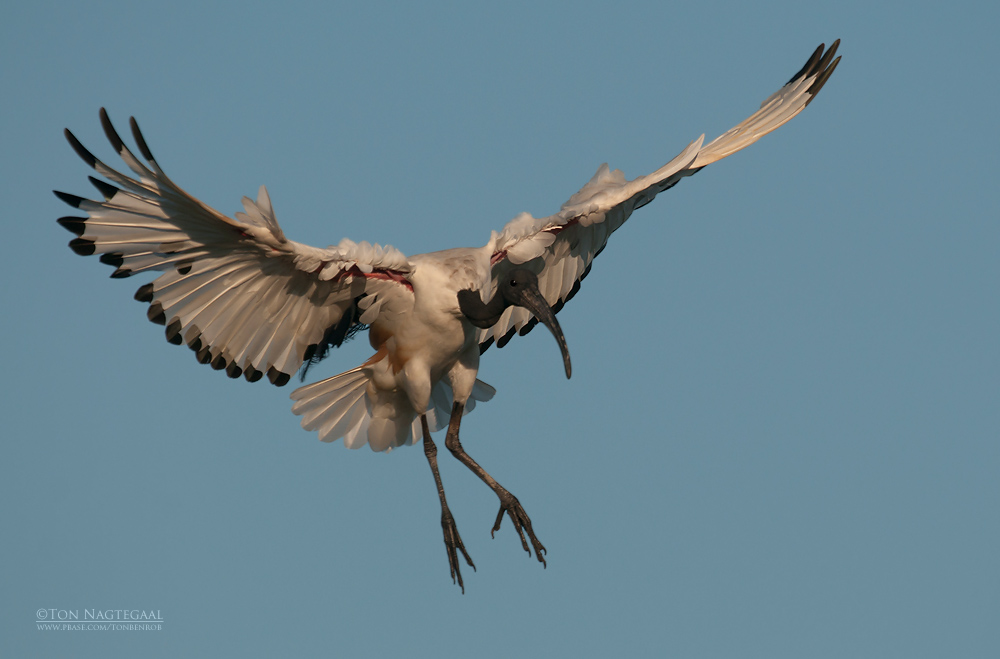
(505, 339)
(113, 258)
(77, 225)
(82, 246)
(111, 133)
(155, 314)
(140, 140)
(821, 80)
(106, 189)
(530, 325)
(203, 355)
(195, 341)
(173, 332)
(828, 56)
(116, 140)
(817, 62)
(277, 378)
(68, 198)
(145, 293)
(810, 63)
(81, 150)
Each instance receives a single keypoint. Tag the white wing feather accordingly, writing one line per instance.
(235, 290)
(560, 248)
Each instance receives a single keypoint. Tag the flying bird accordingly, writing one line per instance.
(251, 302)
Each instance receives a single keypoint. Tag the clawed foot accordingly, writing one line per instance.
(521, 521)
(453, 542)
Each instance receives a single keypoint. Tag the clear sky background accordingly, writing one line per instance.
(782, 435)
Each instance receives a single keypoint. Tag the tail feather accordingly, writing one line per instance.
(357, 424)
(326, 405)
(386, 433)
(345, 406)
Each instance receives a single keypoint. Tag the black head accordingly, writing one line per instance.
(519, 287)
(512, 286)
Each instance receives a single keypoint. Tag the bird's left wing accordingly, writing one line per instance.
(235, 290)
(561, 248)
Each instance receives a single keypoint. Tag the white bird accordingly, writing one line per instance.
(247, 300)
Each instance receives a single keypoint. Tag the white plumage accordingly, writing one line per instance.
(246, 299)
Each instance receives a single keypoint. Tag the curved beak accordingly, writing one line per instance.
(532, 300)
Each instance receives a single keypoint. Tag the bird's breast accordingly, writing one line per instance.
(435, 331)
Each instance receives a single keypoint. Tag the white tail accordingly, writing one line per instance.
(344, 406)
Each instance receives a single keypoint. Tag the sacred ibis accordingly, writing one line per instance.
(249, 301)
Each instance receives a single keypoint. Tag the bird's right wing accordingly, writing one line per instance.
(560, 248)
(235, 290)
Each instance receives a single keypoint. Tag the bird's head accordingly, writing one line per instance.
(519, 287)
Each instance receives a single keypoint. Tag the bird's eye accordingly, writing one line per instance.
(513, 282)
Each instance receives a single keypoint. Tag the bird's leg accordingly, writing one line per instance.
(508, 502)
(452, 541)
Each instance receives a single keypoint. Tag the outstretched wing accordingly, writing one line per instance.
(235, 290)
(561, 248)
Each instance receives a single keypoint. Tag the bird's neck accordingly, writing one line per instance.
(479, 314)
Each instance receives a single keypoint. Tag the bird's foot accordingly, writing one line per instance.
(522, 523)
(453, 543)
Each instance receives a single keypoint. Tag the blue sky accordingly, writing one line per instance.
(781, 435)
